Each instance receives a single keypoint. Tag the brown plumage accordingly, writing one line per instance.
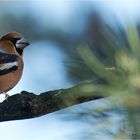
(11, 62)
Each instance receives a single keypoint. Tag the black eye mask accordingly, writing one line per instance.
(14, 40)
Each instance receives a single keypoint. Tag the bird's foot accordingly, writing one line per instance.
(6, 96)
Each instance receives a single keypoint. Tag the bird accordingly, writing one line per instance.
(12, 45)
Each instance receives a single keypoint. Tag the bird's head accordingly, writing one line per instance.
(17, 39)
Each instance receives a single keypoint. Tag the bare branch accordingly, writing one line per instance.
(28, 105)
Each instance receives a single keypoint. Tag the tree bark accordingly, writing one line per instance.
(29, 105)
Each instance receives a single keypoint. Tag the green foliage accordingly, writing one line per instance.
(122, 80)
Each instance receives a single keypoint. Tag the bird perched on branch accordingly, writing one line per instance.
(11, 61)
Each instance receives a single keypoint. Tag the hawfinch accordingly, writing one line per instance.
(11, 62)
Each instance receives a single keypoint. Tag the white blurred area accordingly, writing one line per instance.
(44, 128)
(51, 73)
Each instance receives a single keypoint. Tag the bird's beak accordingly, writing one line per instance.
(22, 43)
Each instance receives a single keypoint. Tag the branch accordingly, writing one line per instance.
(28, 105)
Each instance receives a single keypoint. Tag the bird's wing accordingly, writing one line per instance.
(8, 63)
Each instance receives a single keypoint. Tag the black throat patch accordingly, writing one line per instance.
(20, 51)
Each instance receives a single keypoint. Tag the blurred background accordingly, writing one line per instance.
(54, 29)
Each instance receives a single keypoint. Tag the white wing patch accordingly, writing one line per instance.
(9, 65)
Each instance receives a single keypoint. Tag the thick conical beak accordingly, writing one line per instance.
(22, 43)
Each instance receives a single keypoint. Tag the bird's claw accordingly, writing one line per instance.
(6, 96)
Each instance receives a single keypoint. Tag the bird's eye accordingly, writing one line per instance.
(14, 40)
